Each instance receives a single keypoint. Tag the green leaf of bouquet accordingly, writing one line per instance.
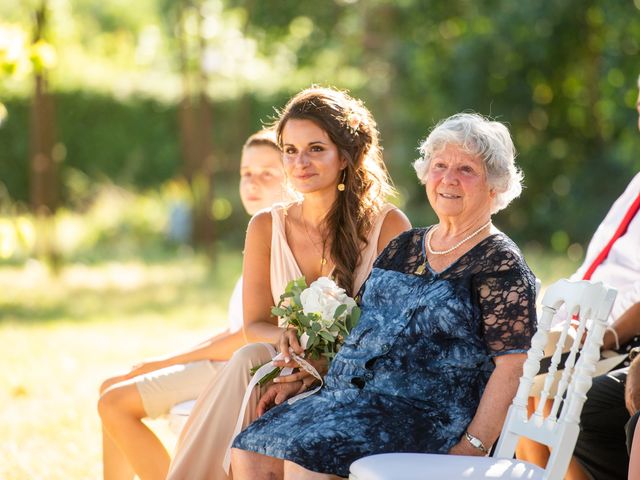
(278, 311)
(314, 354)
(339, 311)
(344, 327)
(354, 318)
(270, 376)
(316, 327)
(326, 336)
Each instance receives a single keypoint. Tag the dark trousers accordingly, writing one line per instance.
(630, 428)
(601, 447)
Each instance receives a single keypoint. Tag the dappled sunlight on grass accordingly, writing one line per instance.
(62, 336)
(48, 424)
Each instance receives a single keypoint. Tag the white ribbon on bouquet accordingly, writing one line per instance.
(262, 372)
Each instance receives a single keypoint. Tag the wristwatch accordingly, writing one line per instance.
(476, 442)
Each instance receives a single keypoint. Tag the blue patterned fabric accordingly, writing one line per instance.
(410, 376)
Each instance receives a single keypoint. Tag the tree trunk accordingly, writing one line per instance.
(43, 168)
(195, 119)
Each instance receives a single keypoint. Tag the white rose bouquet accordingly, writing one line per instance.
(322, 314)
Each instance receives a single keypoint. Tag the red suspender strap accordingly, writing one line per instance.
(622, 229)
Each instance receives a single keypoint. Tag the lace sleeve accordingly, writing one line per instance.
(506, 298)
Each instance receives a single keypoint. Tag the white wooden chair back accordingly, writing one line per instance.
(589, 304)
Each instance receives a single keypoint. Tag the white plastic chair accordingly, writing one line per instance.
(593, 302)
(179, 414)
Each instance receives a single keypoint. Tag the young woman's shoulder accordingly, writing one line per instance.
(395, 222)
(259, 228)
(405, 245)
(263, 220)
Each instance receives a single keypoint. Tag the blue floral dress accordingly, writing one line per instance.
(410, 376)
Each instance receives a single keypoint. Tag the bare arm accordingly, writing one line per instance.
(498, 395)
(632, 388)
(626, 326)
(393, 225)
(634, 457)
(217, 348)
(259, 324)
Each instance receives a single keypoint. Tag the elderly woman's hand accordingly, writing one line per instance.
(289, 341)
(277, 393)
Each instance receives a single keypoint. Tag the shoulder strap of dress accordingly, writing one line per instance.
(370, 252)
(283, 266)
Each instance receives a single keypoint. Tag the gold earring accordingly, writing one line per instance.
(341, 186)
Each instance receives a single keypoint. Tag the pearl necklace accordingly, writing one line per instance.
(449, 250)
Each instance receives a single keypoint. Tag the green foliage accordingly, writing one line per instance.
(561, 74)
(130, 143)
(133, 143)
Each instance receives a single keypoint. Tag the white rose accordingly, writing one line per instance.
(323, 297)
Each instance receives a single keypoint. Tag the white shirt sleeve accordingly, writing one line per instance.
(235, 308)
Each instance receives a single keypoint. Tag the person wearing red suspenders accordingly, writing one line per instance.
(613, 402)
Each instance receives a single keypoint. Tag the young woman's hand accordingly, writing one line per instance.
(321, 366)
(289, 341)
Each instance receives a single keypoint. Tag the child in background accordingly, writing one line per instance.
(152, 387)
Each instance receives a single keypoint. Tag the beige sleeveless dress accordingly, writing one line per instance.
(203, 442)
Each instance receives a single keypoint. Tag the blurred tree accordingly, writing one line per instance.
(43, 168)
(195, 120)
(44, 188)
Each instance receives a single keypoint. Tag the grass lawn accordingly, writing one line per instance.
(60, 337)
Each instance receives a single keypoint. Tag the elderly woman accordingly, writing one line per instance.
(447, 314)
